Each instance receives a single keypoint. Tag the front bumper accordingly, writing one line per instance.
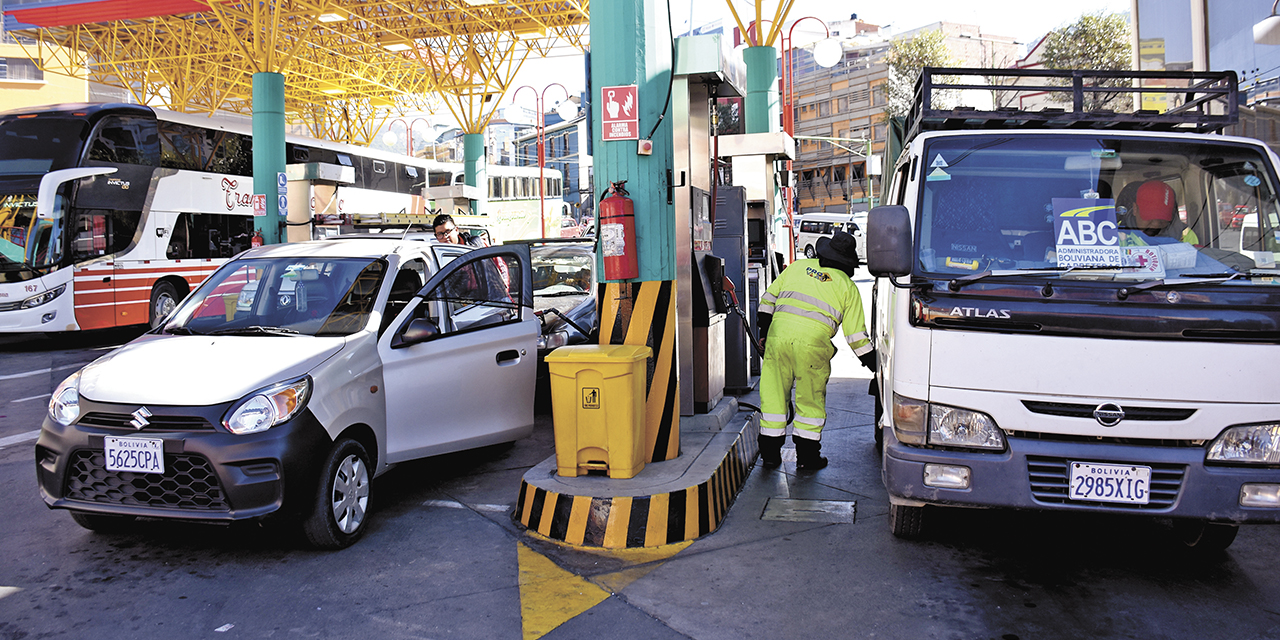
(210, 474)
(1033, 474)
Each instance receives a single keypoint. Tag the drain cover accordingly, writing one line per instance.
(791, 510)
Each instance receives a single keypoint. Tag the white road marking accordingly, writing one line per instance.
(8, 591)
(24, 374)
(19, 439)
(453, 504)
(43, 395)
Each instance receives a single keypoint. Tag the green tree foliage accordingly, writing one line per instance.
(1095, 41)
(905, 59)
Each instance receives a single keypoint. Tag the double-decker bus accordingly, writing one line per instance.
(111, 213)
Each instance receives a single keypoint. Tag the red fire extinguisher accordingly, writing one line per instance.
(256, 240)
(618, 234)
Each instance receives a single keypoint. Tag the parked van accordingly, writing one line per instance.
(817, 225)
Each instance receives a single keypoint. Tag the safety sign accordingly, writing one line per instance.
(620, 119)
(1085, 229)
(590, 397)
(259, 204)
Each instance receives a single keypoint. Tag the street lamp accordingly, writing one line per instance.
(826, 53)
(1268, 31)
(389, 138)
(566, 110)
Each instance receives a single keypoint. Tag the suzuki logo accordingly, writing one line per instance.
(1108, 414)
(140, 418)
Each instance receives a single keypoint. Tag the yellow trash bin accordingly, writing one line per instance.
(597, 403)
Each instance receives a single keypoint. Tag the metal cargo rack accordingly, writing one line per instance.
(1198, 101)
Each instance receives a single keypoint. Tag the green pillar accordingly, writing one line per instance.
(268, 150)
(630, 44)
(762, 89)
(473, 162)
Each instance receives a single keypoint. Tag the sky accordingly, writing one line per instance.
(1025, 21)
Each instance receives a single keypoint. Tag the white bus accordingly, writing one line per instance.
(111, 213)
(512, 210)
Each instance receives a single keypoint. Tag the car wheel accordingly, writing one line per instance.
(906, 522)
(101, 523)
(809, 252)
(1205, 536)
(164, 299)
(340, 509)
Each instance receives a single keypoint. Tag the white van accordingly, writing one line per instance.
(817, 225)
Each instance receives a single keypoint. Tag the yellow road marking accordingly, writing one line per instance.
(549, 595)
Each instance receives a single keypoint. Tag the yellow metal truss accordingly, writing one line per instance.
(348, 64)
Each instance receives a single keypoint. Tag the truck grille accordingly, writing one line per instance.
(104, 420)
(188, 482)
(1050, 479)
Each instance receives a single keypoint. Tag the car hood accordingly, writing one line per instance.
(200, 370)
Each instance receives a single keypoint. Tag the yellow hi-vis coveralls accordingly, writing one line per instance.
(807, 303)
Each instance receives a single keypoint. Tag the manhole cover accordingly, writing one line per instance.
(791, 510)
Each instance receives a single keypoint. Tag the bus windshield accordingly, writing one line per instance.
(38, 145)
(1105, 208)
(26, 242)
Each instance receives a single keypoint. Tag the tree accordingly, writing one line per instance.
(905, 59)
(1095, 41)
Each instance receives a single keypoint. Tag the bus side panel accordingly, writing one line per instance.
(94, 291)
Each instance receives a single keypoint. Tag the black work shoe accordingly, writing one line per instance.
(771, 451)
(812, 464)
(808, 456)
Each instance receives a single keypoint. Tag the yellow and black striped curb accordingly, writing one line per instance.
(565, 509)
(644, 313)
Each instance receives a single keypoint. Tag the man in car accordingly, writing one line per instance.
(798, 315)
(447, 231)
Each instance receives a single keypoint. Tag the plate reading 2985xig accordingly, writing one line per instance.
(141, 455)
(1096, 482)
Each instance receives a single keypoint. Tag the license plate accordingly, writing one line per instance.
(1096, 482)
(141, 455)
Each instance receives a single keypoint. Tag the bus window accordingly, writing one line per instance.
(197, 235)
(180, 147)
(438, 179)
(124, 140)
(233, 154)
(100, 232)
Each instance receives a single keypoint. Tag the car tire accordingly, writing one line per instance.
(906, 522)
(339, 512)
(1205, 536)
(809, 252)
(102, 523)
(164, 299)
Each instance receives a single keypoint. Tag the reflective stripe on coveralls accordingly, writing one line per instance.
(808, 304)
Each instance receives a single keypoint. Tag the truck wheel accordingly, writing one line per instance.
(906, 522)
(341, 505)
(809, 252)
(164, 299)
(1205, 536)
(101, 523)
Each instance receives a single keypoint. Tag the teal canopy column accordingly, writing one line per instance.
(762, 89)
(473, 161)
(268, 150)
(630, 44)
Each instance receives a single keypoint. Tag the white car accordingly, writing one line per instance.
(246, 403)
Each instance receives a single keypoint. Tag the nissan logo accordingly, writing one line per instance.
(1108, 414)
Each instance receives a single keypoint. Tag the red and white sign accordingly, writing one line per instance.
(259, 204)
(620, 117)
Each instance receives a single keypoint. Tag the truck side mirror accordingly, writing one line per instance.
(889, 241)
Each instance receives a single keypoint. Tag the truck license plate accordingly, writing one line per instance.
(141, 455)
(1096, 482)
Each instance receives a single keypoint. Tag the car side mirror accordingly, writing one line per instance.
(418, 330)
(889, 241)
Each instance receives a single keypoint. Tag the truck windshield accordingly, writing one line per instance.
(1112, 208)
(34, 145)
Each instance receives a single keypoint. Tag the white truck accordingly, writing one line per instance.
(1062, 317)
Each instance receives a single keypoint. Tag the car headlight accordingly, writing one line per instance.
(64, 406)
(553, 340)
(1250, 444)
(269, 407)
(43, 298)
(919, 422)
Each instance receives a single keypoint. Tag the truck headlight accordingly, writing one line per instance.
(43, 298)
(1249, 444)
(269, 407)
(955, 427)
(64, 406)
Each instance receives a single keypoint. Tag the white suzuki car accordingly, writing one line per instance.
(294, 375)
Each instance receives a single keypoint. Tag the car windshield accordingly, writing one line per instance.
(1109, 208)
(283, 296)
(562, 275)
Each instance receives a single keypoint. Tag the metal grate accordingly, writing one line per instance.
(157, 422)
(188, 482)
(1049, 480)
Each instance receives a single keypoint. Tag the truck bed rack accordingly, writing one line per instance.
(1194, 101)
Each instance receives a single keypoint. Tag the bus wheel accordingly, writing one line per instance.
(164, 299)
(906, 522)
(809, 252)
(1205, 536)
